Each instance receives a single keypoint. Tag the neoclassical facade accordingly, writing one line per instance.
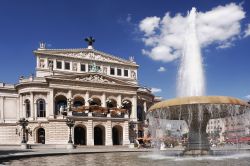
(99, 91)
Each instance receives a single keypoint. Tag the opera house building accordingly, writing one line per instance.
(98, 91)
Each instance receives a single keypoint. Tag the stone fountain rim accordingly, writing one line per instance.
(198, 100)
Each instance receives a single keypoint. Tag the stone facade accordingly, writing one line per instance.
(99, 91)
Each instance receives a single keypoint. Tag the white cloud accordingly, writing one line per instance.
(156, 90)
(247, 31)
(161, 69)
(149, 24)
(163, 37)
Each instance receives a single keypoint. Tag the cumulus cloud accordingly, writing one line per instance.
(156, 90)
(247, 31)
(163, 37)
(161, 69)
(149, 24)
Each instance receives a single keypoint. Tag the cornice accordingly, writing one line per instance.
(67, 52)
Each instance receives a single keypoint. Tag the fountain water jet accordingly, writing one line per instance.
(192, 106)
(190, 81)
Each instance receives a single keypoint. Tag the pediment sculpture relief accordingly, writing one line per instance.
(90, 55)
(96, 78)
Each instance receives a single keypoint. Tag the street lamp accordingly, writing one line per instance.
(23, 123)
(70, 123)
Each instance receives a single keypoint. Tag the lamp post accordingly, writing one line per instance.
(70, 123)
(23, 123)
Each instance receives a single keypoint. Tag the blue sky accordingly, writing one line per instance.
(116, 27)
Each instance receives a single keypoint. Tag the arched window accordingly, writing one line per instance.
(60, 102)
(78, 101)
(41, 108)
(111, 103)
(27, 108)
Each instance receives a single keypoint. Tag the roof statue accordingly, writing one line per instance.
(90, 40)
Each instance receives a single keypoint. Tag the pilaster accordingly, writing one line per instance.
(104, 104)
(108, 139)
(86, 98)
(32, 104)
(50, 111)
(119, 100)
(21, 113)
(126, 133)
(134, 109)
(90, 136)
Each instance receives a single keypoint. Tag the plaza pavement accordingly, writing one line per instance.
(15, 152)
(9, 152)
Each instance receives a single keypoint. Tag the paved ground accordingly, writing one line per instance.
(14, 152)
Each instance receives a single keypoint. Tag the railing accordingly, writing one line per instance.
(98, 111)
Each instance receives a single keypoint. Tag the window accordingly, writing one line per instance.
(27, 108)
(119, 72)
(126, 73)
(50, 64)
(83, 67)
(67, 65)
(112, 71)
(41, 109)
(94, 68)
(58, 64)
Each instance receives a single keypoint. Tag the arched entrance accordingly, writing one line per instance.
(117, 135)
(79, 135)
(41, 136)
(99, 135)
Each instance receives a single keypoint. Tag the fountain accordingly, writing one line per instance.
(191, 105)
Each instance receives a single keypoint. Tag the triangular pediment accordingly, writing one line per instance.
(91, 78)
(89, 54)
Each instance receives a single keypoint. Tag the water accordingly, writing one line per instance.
(132, 159)
(190, 81)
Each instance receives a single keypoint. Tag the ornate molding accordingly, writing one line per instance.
(95, 78)
(91, 56)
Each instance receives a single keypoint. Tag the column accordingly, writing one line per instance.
(71, 66)
(126, 133)
(69, 94)
(37, 62)
(104, 104)
(134, 109)
(119, 100)
(18, 108)
(46, 63)
(86, 98)
(63, 65)
(87, 67)
(51, 103)
(32, 110)
(1, 109)
(54, 64)
(21, 113)
(90, 135)
(144, 109)
(108, 133)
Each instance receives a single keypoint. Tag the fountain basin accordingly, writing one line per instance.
(198, 100)
(197, 111)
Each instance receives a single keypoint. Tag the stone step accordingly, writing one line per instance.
(48, 146)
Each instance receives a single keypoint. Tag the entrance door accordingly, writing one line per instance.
(41, 136)
(98, 136)
(79, 136)
(117, 135)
